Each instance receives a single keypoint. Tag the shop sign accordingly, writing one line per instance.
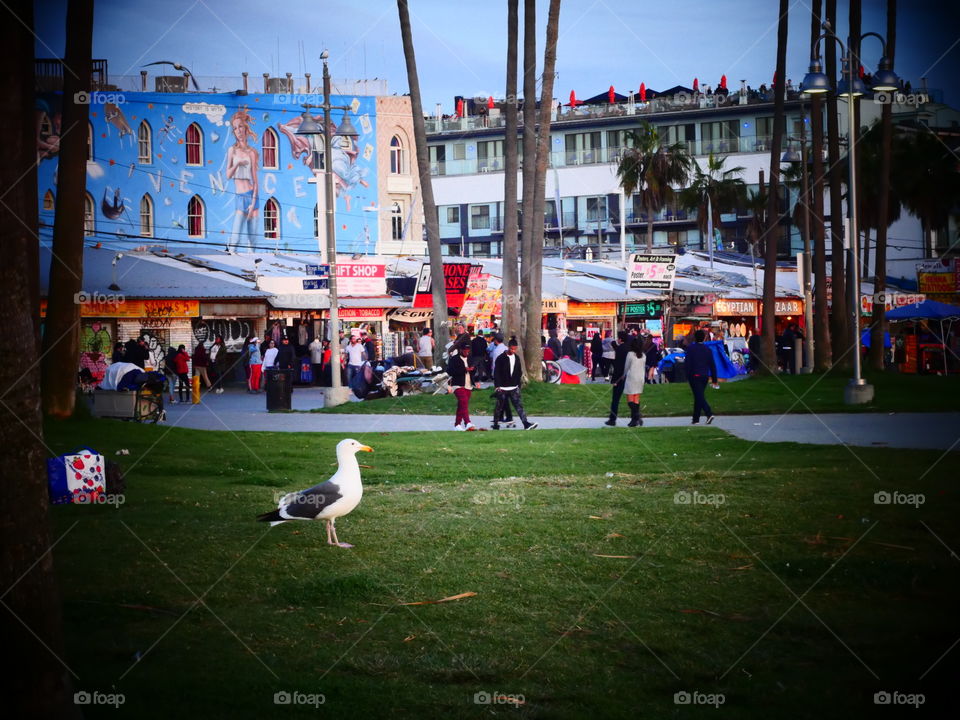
(649, 271)
(455, 277)
(788, 307)
(361, 313)
(891, 300)
(361, 279)
(726, 306)
(553, 305)
(587, 309)
(120, 307)
(412, 315)
(649, 308)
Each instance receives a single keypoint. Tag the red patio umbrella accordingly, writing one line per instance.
(696, 85)
(490, 102)
(611, 95)
(643, 92)
(723, 81)
(573, 98)
(459, 107)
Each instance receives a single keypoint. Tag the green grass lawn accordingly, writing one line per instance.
(787, 393)
(598, 591)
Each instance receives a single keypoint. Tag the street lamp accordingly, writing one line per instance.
(816, 82)
(336, 394)
(792, 156)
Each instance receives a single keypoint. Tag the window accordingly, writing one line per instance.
(270, 155)
(597, 209)
(720, 137)
(195, 222)
(194, 145)
(583, 147)
(397, 161)
(396, 221)
(490, 155)
(481, 249)
(438, 159)
(89, 226)
(453, 216)
(144, 143)
(480, 217)
(146, 216)
(48, 201)
(271, 219)
(460, 151)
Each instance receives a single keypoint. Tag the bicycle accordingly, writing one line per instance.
(551, 371)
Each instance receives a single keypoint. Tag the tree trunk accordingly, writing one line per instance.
(441, 325)
(769, 353)
(36, 683)
(821, 311)
(61, 335)
(529, 162)
(649, 228)
(839, 323)
(878, 322)
(533, 301)
(510, 291)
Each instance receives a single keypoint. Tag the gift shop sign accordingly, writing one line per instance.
(361, 279)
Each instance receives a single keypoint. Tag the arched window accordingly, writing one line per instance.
(194, 141)
(271, 219)
(397, 159)
(396, 221)
(271, 144)
(144, 143)
(89, 142)
(195, 217)
(49, 202)
(146, 216)
(89, 228)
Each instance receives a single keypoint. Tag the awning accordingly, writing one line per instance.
(412, 315)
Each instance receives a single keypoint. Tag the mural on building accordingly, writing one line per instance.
(213, 168)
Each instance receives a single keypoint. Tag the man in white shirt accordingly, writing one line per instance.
(356, 355)
(425, 348)
(507, 374)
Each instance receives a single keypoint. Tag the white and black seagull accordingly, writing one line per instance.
(329, 500)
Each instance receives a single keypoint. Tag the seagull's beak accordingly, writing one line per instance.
(366, 448)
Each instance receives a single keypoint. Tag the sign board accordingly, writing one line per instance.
(892, 300)
(316, 283)
(938, 276)
(455, 276)
(651, 271)
(727, 307)
(360, 313)
(788, 307)
(361, 279)
(116, 306)
(648, 308)
(412, 315)
(554, 305)
(318, 270)
(598, 309)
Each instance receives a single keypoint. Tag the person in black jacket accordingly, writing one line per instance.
(507, 374)
(700, 367)
(459, 368)
(596, 351)
(568, 348)
(478, 353)
(286, 358)
(620, 349)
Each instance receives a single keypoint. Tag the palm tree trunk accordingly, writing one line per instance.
(529, 158)
(533, 301)
(769, 353)
(839, 323)
(37, 684)
(821, 313)
(878, 323)
(61, 336)
(510, 291)
(649, 228)
(441, 325)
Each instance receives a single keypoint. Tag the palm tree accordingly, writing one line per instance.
(712, 192)
(870, 185)
(441, 328)
(653, 169)
(511, 273)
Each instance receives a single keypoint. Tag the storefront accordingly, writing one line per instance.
(645, 315)
(234, 322)
(554, 316)
(406, 324)
(590, 318)
(738, 318)
(788, 311)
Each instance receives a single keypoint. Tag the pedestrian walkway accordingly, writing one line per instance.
(236, 411)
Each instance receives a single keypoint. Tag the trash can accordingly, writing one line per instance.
(679, 371)
(279, 389)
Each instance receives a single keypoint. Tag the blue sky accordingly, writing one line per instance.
(461, 45)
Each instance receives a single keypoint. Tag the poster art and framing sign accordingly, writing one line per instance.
(650, 271)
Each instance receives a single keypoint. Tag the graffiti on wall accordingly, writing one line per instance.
(233, 332)
(96, 344)
(157, 342)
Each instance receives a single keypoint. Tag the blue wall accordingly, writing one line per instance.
(116, 179)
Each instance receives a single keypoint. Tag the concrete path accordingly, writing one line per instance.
(237, 410)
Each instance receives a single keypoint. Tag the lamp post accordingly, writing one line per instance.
(336, 394)
(858, 391)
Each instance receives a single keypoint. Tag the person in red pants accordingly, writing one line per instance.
(459, 369)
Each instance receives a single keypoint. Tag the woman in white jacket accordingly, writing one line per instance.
(634, 372)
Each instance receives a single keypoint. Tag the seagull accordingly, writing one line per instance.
(329, 500)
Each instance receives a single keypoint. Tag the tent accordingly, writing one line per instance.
(929, 310)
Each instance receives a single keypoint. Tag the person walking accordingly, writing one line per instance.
(478, 353)
(653, 356)
(181, 364)
(596, 353)
(170, 371)
(356, 355)
(496, 349)
(425, 349)
(608, 355)
(316, 348)
(617, 365)
(255, 363)
(507, 374)
(459, 369)
(634, 373)
(218, 361)
(701, 367)
(200, 363)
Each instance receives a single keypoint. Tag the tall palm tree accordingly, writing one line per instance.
(441, 327)
(821, 312)
(510, 291)
(652, 168)
(768, 364)
(877, 209)
(529, 157)
(533, 272)
(718, 188)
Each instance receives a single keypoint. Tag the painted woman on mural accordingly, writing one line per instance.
(243, 165)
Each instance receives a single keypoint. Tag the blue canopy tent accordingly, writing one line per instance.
(929, 310)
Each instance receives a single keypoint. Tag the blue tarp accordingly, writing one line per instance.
(865, 339)
(725, 367)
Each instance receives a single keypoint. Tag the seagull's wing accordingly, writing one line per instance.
(307, 504)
